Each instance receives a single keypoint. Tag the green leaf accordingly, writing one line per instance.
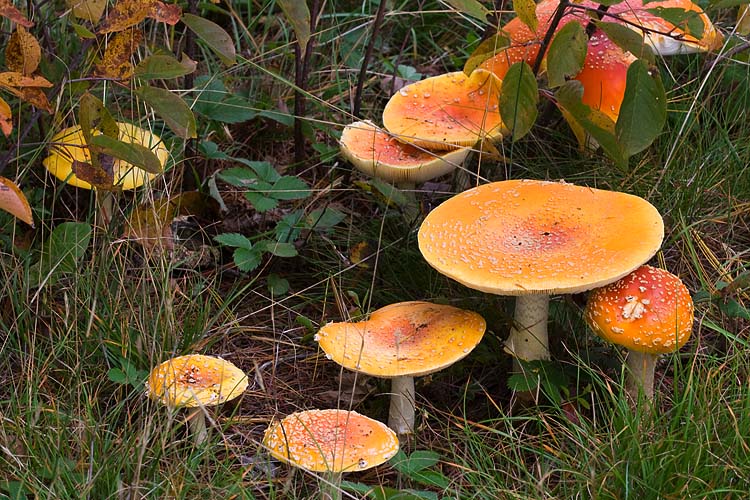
(263, 169)
(92, 117)
(277, 285)
(278, 248)
(471, 8)
(289, 188)
(82, 31)
(289, 227)
(240, 177)
(236, 240)
(298, 15)
(61, 253)
(518, 99)
(246, 259)
(260, 201)
(215, 102)
(627, 39)
(523, 382)
(487, 49)
(117, 376)
(526, 12)
(593, 121)
(688, 21)
(164, 66)
(567, 53)
(171, 108)
(417, 461)
(324, 219)
(215, 37)
(644, 109)
(140, 156)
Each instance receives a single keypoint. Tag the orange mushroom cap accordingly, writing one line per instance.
(69, 144)
(377, 153)
(196, 380)
(404, 339)
(522, 237)
(330, 441)
(447, 111)
(650, 310)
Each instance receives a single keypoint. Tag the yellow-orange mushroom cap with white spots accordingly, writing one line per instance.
(330, 441)
(403, 339)
(195, 380)
(379, 154)
(649, 310)
(447, 111)
(69, 144)
(523, 237)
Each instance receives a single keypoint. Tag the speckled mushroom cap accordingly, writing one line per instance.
(403, 339)
(195, 380)
(330, 441)
(447, 111)
(69, 144)
(522, 237)
(377, 153)
(649, 310)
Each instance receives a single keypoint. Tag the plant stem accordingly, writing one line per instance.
(528, 336)
(330, 487)
(366, 59)
(197, 423)
(301, 71)
(640, 376)
(401, 412)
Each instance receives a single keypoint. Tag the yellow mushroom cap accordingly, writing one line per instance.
(195, 380)
(379, 154)
(522, 237)
(649, 310)
(404, 339)
(69, 144)
(330, 441)
(447, 111)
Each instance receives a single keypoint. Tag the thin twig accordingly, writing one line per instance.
(559, 13)
(366, 59)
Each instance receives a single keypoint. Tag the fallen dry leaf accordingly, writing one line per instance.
(166, 13)
(8, 10)
(23, 53)
(13, 201)
(99, 177)
(14, 79)
(6, 118)
(116, 61)
(89, 10)
(127, 13)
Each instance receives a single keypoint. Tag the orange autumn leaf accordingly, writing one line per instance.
(89, 10)
(13, 201)
(127, 13)
(116, 61)
(8, 10)
(6, 118)
(14, 79)
(23, 53)
(99, 177)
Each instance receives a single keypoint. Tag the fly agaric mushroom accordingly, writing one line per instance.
(402, 341)
(447, 111)
(649, 312)
(379, 154)
(330, 441)
(531, 239)
(196, 381)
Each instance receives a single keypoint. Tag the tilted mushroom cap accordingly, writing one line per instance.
(404, 339)
(447, 111)
(378, 153)
(69, 144)
(330, 441)
(650, 310)
(523, 237)
(196, 380)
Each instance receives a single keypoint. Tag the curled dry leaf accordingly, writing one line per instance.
(89, 10)
(13, 201)
(23, 53)
(6, 118)
(101, 177)
(8, 10)
(27, 88)
(127, 13)
(116, 61)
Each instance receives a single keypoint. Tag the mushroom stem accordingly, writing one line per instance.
(401, 412)
(640, 376)
(528, 336)
(197, 423)
(330, 486)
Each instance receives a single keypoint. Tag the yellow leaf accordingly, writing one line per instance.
(13, 201)
(11, 79)
(23, 53)
(116, 61)
(743, 20)
(127, 13)
(6, 118)
(89, 10)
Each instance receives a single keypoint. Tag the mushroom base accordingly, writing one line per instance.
(640, 376)
(401, 412)
(528, 337)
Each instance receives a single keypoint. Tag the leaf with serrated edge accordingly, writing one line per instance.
(518, 99)
(215, 37)
(567, 53)
(171, 108)
(298, 15)
(644, 108)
